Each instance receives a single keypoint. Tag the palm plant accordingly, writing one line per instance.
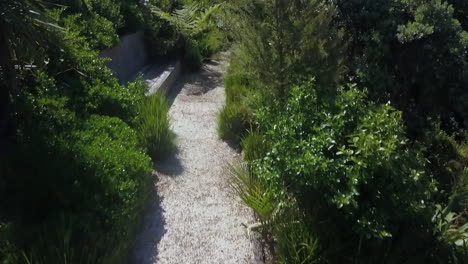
(21, 22)
(451, 231)
(21, 25)
(255, 195)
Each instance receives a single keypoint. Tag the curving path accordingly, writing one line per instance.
(194, 218)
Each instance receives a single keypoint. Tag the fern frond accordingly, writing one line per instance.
(202, 20)
(187, 17)
(178, 19)
(189, 20)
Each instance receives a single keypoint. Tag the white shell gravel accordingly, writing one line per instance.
(194, 217)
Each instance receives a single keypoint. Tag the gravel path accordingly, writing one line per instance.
(194, 217)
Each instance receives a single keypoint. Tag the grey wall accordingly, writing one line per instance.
(128, 57)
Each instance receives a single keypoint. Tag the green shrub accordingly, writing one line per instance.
(111, 99)
(254, 146)
(98, 31)
(153, 127)
(97, 178)
(115, 181)
(234, 121)
(107, 149)
(451, 230)
(348, 160)
(461, 168)
(75, 156)
(109, 9)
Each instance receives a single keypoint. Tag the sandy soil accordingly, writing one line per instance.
(194, 217)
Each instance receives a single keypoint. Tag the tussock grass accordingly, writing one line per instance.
(254, 146)
(234, 122)
(153, 127)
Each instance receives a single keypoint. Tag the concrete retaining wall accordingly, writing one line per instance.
(165, 79)
(128, 57)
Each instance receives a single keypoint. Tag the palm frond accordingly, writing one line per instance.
(253, 193)
(293, 239)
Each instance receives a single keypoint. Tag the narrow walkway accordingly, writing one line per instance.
(194, 217)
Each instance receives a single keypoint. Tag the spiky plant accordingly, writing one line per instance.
(293, 241)
(154, 129)
(254, 146)
(253, 193)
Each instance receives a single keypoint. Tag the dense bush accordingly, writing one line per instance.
(338, 152)
(75, 179)
(412, 53)
(444, 161)
(353, 172)
(97, 178)
(107, 150)
(369, 183)
(154, 127)
(117, 181)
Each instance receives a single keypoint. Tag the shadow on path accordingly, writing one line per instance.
(171, 166)
(152, 230)
(197, 83)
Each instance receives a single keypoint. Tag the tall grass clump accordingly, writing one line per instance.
(153, 127)
(236, 93)
(254, 146)
(62, 244)
(295, 243)
(237, 116)
(234, 122)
